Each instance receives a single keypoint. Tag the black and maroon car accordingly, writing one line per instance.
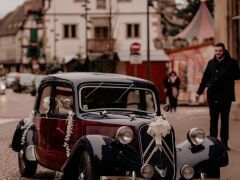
(109, 126)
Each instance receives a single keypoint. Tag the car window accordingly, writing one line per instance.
(110, 97)
(44, 105)
(64, 100)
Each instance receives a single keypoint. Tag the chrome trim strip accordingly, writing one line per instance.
(149, 146)
(168, 156)
(151, 155)
(164, 142)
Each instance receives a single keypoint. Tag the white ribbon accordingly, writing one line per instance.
(159, 129)
(68, 133)
(27, 125)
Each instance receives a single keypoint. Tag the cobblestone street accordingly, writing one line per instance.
(184, 119)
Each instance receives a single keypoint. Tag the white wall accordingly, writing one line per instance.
(10, 48)
(64, 14)
(122, 13)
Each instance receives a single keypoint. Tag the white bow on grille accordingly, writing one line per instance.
(158, 129)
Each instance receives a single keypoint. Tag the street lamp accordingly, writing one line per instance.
(149, 3)
(86, 26)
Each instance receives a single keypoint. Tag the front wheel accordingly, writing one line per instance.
(86, 170)
(213, 172)
(81, 168)
(27, 168)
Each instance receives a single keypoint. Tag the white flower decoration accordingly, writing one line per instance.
(158, 129)
(68, 133)
(27, 125)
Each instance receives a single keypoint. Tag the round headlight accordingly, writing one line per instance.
(196, 136)
(187, 172)
(124, 135)
(147, 171)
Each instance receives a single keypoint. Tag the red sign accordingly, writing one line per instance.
(135, 47)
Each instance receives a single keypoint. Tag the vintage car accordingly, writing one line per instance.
(109, 126)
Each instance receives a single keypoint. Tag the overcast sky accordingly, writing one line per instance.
(8, 5)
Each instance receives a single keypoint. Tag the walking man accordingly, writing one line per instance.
(219, 76)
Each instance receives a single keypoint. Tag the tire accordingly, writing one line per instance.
(26, 168)
(82, 166)
(33, 92)
(213, 172)
(86, 167)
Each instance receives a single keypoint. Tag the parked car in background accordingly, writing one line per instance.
(24, 82)
(36, 82)
(2, 87)
(11, 78)
(109, 126)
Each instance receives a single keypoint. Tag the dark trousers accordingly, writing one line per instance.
(173, 102)
(221, 108)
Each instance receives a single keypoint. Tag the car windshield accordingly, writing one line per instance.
(101, 97)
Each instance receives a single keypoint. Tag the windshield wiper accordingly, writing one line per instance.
(124, 93)
(93, 90)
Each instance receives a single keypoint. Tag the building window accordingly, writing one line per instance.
(101, 4)
(133, 31)
(69, 31)
(33, 35)
(101, 32)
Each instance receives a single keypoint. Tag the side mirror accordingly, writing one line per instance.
(166, 107)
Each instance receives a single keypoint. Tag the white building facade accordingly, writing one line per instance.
(112, 26)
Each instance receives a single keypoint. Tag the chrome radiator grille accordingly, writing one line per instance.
(163, 161)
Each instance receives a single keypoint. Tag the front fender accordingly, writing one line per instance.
(211, 153)
(109, 156)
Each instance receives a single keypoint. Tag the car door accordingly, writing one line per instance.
(56, 153)
(40, 119)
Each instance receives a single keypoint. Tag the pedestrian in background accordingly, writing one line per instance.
(171, 84)
(219, 76)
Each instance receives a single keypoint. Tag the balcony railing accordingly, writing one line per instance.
(101, 45)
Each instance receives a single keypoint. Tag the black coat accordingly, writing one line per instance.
(169, 85)
(219, 78)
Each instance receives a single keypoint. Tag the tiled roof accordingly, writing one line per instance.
(11, 23)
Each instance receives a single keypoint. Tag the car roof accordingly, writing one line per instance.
(81, 77)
